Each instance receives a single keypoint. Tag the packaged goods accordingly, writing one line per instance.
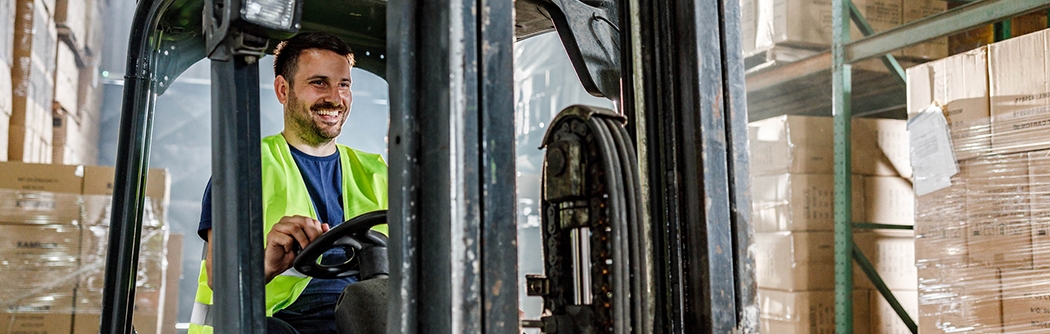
(784, 312)
(800, 202)
(960, 85)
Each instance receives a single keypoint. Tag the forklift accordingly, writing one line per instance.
(645, 208)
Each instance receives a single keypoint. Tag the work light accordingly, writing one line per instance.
(274, 14)
(247, 26)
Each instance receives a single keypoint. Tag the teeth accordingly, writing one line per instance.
(328, 113)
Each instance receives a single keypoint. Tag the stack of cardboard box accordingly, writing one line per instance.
(793, 215)
(788, 30)
(40, 250)
(52, 259)
(151, 278)
(33, 81)
(76, 110)
(49, 94)
(7, 35)
(982, 244)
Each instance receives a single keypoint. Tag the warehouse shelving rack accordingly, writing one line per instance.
(769, 87)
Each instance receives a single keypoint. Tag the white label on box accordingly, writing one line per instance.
(932, 157)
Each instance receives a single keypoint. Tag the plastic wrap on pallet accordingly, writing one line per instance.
(150, 282)
(981, 246)
(38, 273)
(39, 194)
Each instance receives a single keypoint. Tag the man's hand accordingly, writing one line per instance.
(288, 236)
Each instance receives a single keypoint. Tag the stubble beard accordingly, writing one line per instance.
(307, 129)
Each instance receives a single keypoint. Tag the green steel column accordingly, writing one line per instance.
(840, 109)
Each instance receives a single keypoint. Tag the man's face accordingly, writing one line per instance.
(318, 98)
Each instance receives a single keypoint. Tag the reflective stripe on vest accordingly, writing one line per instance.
(284, 194)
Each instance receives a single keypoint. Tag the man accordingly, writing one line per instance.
(309, 185)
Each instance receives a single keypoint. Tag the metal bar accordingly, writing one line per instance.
(448, 217)
(873, 275)
(940, 25)
(403, 172)
(129, 182)
(784, 74)
(684, 81)
(889, 60)
(655, 93)
(840, 110)
(237, 235)
(953, 21)
(1003, 30)
(632, 106)
(499, 231)
(875, 226)
(711, 301)
(738, 165)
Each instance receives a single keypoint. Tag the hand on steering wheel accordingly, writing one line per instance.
(355, 234)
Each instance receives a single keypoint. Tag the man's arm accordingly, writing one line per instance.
(282, 243)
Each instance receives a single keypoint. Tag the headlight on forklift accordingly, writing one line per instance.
(276, 14)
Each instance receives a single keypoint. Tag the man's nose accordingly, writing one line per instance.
(333, 96)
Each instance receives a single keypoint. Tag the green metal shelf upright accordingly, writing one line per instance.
(843, 53)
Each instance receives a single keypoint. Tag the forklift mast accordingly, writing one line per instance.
(676, 244)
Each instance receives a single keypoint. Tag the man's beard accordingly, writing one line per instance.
(307, 128)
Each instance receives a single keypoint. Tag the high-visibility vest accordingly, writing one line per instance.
(284, 194)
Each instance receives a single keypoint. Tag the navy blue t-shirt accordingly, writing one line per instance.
(324, 183)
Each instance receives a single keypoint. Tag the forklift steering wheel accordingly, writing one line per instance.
(356, 237)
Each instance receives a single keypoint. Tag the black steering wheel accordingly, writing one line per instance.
(366, 249)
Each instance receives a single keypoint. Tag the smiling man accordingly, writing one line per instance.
(309, 183)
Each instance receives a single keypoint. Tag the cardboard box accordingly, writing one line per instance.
(32, 78)
(1039, 186)
(792, 261)
(98, 195)
(889, 200)
(7, 34)
(5, 122)
(71, 16)
(89, 94)
(804, 145)
(171, 284)
(748, 26)
(785, 312)
(38, 263)
(151, 267)
(892, 253)
(1020, 95)
(44, 315)
(75, 139)
(998, 205)
(67, 78)
(959, 300)
(1026, 301)
(940, 225)
(145, 316)
(960, 84)
(940, 243)
(808, 23)
(150, 286)
(799, 202)
(885, 320)
(40, 194)
(882, 147)
(918, 9)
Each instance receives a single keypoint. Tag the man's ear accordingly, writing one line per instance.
(280, 87)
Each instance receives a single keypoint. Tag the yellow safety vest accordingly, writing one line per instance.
(285, 194)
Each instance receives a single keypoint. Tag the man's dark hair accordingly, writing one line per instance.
(286, 55)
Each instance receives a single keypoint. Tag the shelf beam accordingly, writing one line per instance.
(947, 23)
(940, 25)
